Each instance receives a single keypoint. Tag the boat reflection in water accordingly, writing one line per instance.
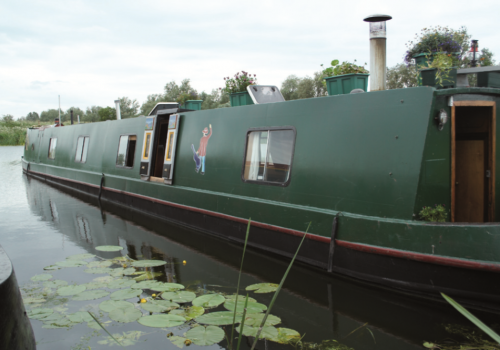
(314, 303)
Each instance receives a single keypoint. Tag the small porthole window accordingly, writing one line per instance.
(126, 151)
(52, 148)
(82, 147)
(268, 156)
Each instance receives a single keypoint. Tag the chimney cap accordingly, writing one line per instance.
(377, 18)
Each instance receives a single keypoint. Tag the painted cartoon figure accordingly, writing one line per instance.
(199, 156)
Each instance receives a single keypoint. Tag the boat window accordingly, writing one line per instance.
(268, 157)
(147, 143)
(52, 148)
(82, 147)
(169, 146)
(126, 151)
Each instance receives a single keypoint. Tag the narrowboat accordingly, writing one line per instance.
(357, 167)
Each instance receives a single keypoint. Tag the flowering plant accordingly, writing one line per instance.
(344, 68)
(438, 39)
(437, 213)
(239, 82)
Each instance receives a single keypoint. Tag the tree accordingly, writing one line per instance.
(289, 87)
(216, 99)
(487, 58)
(128, 107)
(49, 116)
(107, 113)
(91, 114)
(8, 118)
(401, 76)
(295, 88)
(32, 116)
(172, 90)
(66, 116)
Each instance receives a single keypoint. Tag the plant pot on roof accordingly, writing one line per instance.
(236, 87)
(189, 101)
(343, 78)
(440, 73)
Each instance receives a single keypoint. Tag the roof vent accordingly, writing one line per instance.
(261, 94)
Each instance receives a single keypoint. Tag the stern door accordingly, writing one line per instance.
(169, 160)
(146, 148)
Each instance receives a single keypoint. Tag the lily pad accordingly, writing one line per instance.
(219, 318)
(54, 316)
(120, 271)
(102, 263)
(125, 339)
(71, 263)
(103, 279)
(209, 300)
(91, 295)
(52, 267)
(33, 300)
(255, 320)
(189, 313)
(159, 306)
(95, 285)
(148, 263)
(41, 277)
(167, 287)
(240, 298)
(55, 284)
(39, 313)
(179, 297)
(263, 287)
(126, 294)
(252, 308)
(285, 335)
(59, 323)
(146, 275)
(110, 305)
(121, 283)
(146, 285)
(108, 248)
(99, 270)
(177, 341)
(80, 256)
(125, 314)
(205, 335)
(71, 290)
(268, 332)
(162, 321)
(80, 316)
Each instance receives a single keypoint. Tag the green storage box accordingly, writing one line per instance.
(488, 79)
(193, 104)
(429, 78)
(240, 99)
(344, 84)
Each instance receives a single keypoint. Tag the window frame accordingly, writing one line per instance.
(83, 149)
(269, 129)
(55, 148)
(118, 149)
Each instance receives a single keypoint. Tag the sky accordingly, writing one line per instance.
(92, 52)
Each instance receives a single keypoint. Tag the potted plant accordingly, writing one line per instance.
(440, 72)
(236, 87)
(189, 101)
(345, 77)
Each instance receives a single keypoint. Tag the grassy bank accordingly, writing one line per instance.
(14, 133)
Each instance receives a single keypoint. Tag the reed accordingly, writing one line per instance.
(99, 323)
(14, 133)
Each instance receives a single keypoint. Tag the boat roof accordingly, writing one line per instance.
(163, 105)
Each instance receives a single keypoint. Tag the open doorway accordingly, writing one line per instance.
(158, 153)
(473, 127)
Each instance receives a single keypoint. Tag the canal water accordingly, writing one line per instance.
(41, 224)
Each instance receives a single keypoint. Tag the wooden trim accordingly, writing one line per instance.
(155, 179)
(147, 148)
(170, 139)
(492, 154)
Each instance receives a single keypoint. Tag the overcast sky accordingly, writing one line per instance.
(91, 52)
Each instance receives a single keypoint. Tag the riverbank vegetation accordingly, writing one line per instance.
(13, 132)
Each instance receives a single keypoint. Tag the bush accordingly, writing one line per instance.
(436, 214)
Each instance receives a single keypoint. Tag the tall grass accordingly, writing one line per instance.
(14, 133)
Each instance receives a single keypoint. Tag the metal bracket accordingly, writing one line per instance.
(100, 188)
(332, 242)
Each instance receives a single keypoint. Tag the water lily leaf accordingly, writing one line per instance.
(33, 300)
(101, 263)
(263, 287)
(59, 323)
(109, 248)
(54, 316)
(284, 335)
(80, 256)
(103, 279)
(110, 305)
(120, 271)
(145, 284)
(125, 314)
(148, 263)
(255, 320)
(167, 287)
(71, 263)
(268, 332)
(126, 294)
(240, 298)
(95, 285)
(41, 277)
(99, 270)
(252, 308)
(52, 267)
(55, 284)
(121, 283)
(205, 335)
(159, 306)
(177, 341)
(189, 313)
(179, 297)
(219, 318)
(39, 313)
(125, 339)
(91, 295)
(71, 290)
(80, 316)
(162, 321)
(146, 275)
(209, 300)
